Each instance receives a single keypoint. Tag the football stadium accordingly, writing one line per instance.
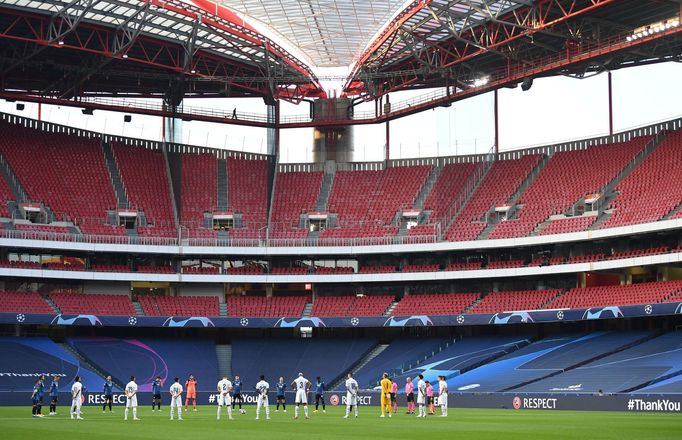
(340, 219)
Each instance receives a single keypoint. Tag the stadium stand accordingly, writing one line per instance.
(461, 356)
(566, 225)
(201, 270)
(25, 353)
(144, 174)
(99, 304)
(250, 269)
(198, 193)
(6, 195)
(149, 358)
(324, 270)
(24, 302)
(369, 305)
(509, 301)
(545, 357)
(377, 269)
(295, 193)
(629, 370)
(247, 191)
(328, 359)
(180, 305)
(72, 191)
(421, 268)
(268, 307)
(644, 293)
(434, 304)
(297, 270)
(19, 264)
(641, 197)
(464, 266)
(450, 182)
(374, 197)
(580, 177)
(504, 264)
(155, 269)
(110, 268)
(491, 192)
(104, 230)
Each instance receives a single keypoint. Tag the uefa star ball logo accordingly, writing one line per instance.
(648, 309)
(132, 320)
(354, 321)
(334, 399)
(21, 317)
(460, 319)
(559, 315)
(244, 322)
(516, 403)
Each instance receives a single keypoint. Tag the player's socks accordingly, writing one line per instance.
(296, 412)
(305, 411)
(125, 414)
(219, 409)
(229, 412)
(134, 413)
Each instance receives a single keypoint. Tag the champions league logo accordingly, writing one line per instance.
(511, 318)
(21, 317)
(678, 311)
(194, 321)
(412, 321)
(132, 320)
(300, 322)
(648, 309)
(244, 322)
(354, 322)
(601, 313)
(77, 320)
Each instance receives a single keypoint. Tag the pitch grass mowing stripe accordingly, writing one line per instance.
(469, 424)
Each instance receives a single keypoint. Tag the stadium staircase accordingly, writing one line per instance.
(390, 308)
(618, 349)
(115, 176)
(87, 364)
(138, 308)
(513, 200)
(222, 309)
(51, 303)
(224, 355)
(222, 184)
(326, 188)
(11, 179)
(308, 310)
(609, 189)
(427, 187)
(376, 351)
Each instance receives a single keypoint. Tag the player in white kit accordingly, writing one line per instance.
(443, 396)
(131, 398)
(262, 388)
(224, 390)
(76, 398)
(351, 395)
(176, 398)
(302, 387)
(421, 396)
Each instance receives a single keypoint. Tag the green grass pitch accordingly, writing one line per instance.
(468, 424)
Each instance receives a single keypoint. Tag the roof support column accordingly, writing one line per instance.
(610, 86)
(497, 125)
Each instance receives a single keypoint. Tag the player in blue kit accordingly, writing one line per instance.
(108, 394)
(54, 395)
(156, 393)
(319, 394)
(37, 397)
(281, 398)
(237, 394)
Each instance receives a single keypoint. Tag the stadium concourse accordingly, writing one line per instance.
(144, 276)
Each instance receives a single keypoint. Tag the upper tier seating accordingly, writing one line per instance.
(581, 173)
(102, 229)
(146, 181)
(421, 268)
(642, 196)
(180, 305)
(510, 301)
(247, 190)
(475, 265)
(295, 193)
(199, 191)
(377, 269)
(289, 270)
(569, 224)
(97, 304)
(369, 305)
(155, 269)
(205, 270)
(450, 182)
(6, 195)
(434, 304)
(24, 302)
(269, 307)
(374, 197)
(491, 192)
(20, 264)
(66, 173)
(602, 296)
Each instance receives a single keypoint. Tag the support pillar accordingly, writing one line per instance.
(610, 85)
(497, 126)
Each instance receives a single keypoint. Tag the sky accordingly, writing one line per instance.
(553, 110)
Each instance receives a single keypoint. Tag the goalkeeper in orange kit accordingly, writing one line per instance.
(191, 386)
(386, 405)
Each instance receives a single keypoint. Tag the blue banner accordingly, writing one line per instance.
(525, 317)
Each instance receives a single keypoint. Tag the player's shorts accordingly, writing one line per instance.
(430, 400)
(385, 400)
(131, 402)
(421, 399)
(392, 397)
(351, 399)
(443, 399)
(176, 401)
(224, 400)
(54, 399)
(108, 397)
(280, 397)
(262, 400)
(76, 402)
(237, 396)
(192, 395)
(410, 398)
(301, 396)
(157, 396)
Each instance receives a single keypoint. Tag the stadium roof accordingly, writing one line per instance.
(330, 33)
